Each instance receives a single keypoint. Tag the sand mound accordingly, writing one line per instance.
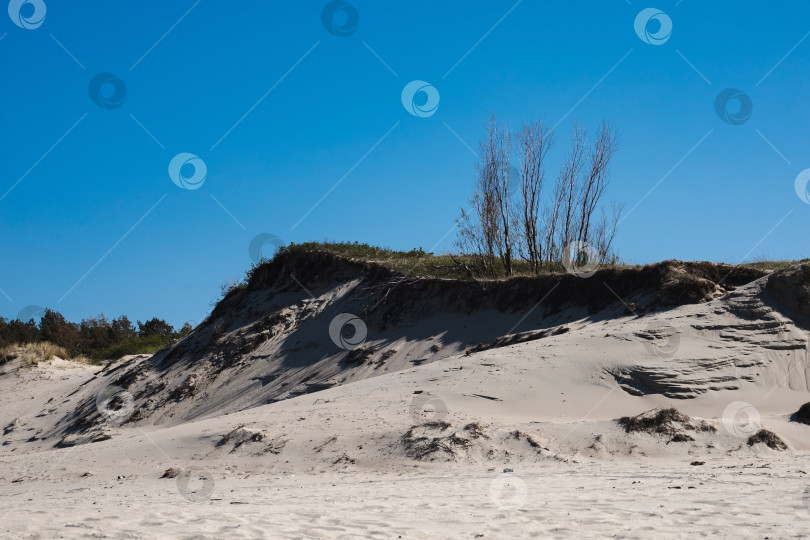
(768, 438)
(272, 339)
(676, 426)
(239, 436)
(439, 441)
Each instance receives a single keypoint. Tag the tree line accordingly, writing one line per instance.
(96, 338)
(516, 215)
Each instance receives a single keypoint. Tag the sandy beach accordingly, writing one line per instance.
(532, 438)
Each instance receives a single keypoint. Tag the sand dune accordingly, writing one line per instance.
(485, 422)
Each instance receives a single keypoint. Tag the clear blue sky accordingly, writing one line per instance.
(78, 180)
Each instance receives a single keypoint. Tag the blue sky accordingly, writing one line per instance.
(281, 111)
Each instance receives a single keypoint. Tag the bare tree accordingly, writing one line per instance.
(477, 231)
(497, 229)
(491, 227)
(560, 212)
(481, 230)
(552, 221)
(570, 184)
(604, 233)
(594, 183)
(534, 142)
(497, 151)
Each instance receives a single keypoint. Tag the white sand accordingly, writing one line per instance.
(338, 463)
(732, 499)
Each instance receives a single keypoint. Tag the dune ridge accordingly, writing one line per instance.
(462, 395)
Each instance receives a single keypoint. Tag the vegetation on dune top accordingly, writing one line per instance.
(420, 263)
(356, 250)
(772, 265)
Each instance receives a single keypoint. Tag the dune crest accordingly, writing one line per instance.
(500, 384)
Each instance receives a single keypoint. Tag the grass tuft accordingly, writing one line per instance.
(768, 438)
(31, 354)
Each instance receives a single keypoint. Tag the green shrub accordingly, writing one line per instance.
(135, 345)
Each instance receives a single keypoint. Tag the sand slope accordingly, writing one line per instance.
(420, 451)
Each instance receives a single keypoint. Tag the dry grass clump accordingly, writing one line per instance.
(518, 435)
(239, 436)
(768, 438)
(670, 422)
(655, 421)
(31, 354)
(428, 441)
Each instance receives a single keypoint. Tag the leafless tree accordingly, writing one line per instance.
(594, 183)
(604, 233)
(534, 142)
(477, 232)
(496, 151)
(490, 229)
(499, 228)
(570, 184)
(480, 231)
(580, 187)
